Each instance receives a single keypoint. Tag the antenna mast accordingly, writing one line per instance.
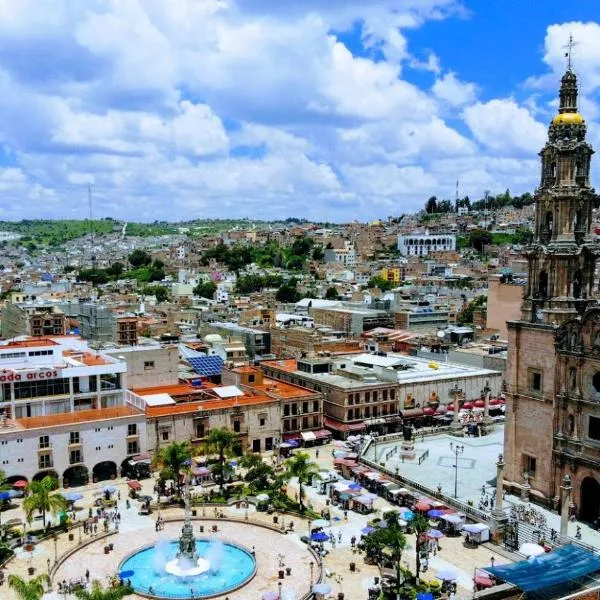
(92, 225)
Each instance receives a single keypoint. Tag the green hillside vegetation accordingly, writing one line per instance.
(150, 229)
(56, 232)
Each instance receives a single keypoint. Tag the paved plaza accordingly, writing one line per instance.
(476, 465)
(136, 531)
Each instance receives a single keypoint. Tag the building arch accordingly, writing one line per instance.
(14, 478)
(543, 284)
(75, 476)
(45, 473)
(589, 493)
(104, 470)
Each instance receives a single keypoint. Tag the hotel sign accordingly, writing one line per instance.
(8, 375)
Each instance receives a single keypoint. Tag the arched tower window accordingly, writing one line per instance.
(576, 285)
(579, 220)
(543, 285)
(549, 222)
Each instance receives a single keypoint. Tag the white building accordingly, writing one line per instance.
(421, 244)
(62, 412)
(345, 255)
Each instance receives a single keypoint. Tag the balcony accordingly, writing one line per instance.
(75, 443)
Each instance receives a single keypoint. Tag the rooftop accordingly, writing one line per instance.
(28, 343)
(82, 416)
(216, 404)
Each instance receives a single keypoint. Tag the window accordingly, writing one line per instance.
(392, 394)
(165, 436)
(596, 381)
(286, 410)
(375, 396)
(236, 426)
(44, 443)
(148, 365)
(304, 422)
(132, 429)
(251, 378)
(44, 461)
(305, 407)
(262, 422)
(133, 447)
(74, 437)
(573, 379)
(529, 464)
(367, 396)
(75, 457)
(535, 381)
(594, 428)
(316, 406)
(384, 395)
(200, 430)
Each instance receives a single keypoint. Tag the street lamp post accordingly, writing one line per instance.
(457, 449)
(312, 566)
(55, 540)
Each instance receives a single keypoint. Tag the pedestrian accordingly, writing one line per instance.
(345, 515)
(95, 528)
(339, 537)
(317, 453)
(353, 541)
(119, 495)
(87, 575)
(492, 561)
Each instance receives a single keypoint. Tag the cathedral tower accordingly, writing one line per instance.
(546, 384)
(562, 257)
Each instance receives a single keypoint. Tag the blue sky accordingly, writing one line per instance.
(332, 110)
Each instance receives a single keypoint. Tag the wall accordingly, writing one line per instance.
(164, 371)
(503, 304)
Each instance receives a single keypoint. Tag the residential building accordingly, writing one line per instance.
(394, 274)
(33, 319)
(256, 341)
(352, 319)
(346, 255)
(504, 301)
(553, 370)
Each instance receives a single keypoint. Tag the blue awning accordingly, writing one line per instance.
(564, 564)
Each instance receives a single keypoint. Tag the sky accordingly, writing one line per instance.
(330, 110)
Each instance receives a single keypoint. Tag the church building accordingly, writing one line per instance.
(553, 371)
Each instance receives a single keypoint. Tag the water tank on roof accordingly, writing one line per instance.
(212, 338)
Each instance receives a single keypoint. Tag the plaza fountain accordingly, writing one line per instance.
(189, 567)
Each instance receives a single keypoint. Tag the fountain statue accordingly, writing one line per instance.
(187, 563)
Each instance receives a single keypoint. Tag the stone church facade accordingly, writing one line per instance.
(553, 371)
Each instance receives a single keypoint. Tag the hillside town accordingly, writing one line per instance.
(405, 408)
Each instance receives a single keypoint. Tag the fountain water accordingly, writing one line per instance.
(187, 563)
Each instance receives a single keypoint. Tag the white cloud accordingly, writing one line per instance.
(453, 91)
(250, 107)
(503, 125)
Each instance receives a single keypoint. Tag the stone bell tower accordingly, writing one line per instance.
(561, 263)
(562, 257)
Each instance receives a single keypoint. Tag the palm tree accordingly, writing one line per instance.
(300, 466)
(391, 542)
(97, 592)
(172, 459)
(221, 440)
(29, 590)
(41, 499)
(419, 525)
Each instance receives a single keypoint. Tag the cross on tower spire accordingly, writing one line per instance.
(569, 53)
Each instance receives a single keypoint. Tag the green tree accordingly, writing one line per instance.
(287, 293)
(259, 474)
(97, 592)
(205, 289)
(465, 316)
(419, 525)
(159, 291)
(172, 459)
(379, 282)
(317, 253)
(42, 499)
(222, 441)
(139, 258)
(301, 246)
(331, 294)
(115, 270)
(479, 238)
(29, 590)
(94, 276)
(300, 466)
(431, 205)
(388, 542)
(295, 262)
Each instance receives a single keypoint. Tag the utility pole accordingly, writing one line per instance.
(92, 225)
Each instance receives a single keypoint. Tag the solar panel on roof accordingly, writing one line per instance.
(208, 366)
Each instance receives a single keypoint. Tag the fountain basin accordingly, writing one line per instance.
(156, 570)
